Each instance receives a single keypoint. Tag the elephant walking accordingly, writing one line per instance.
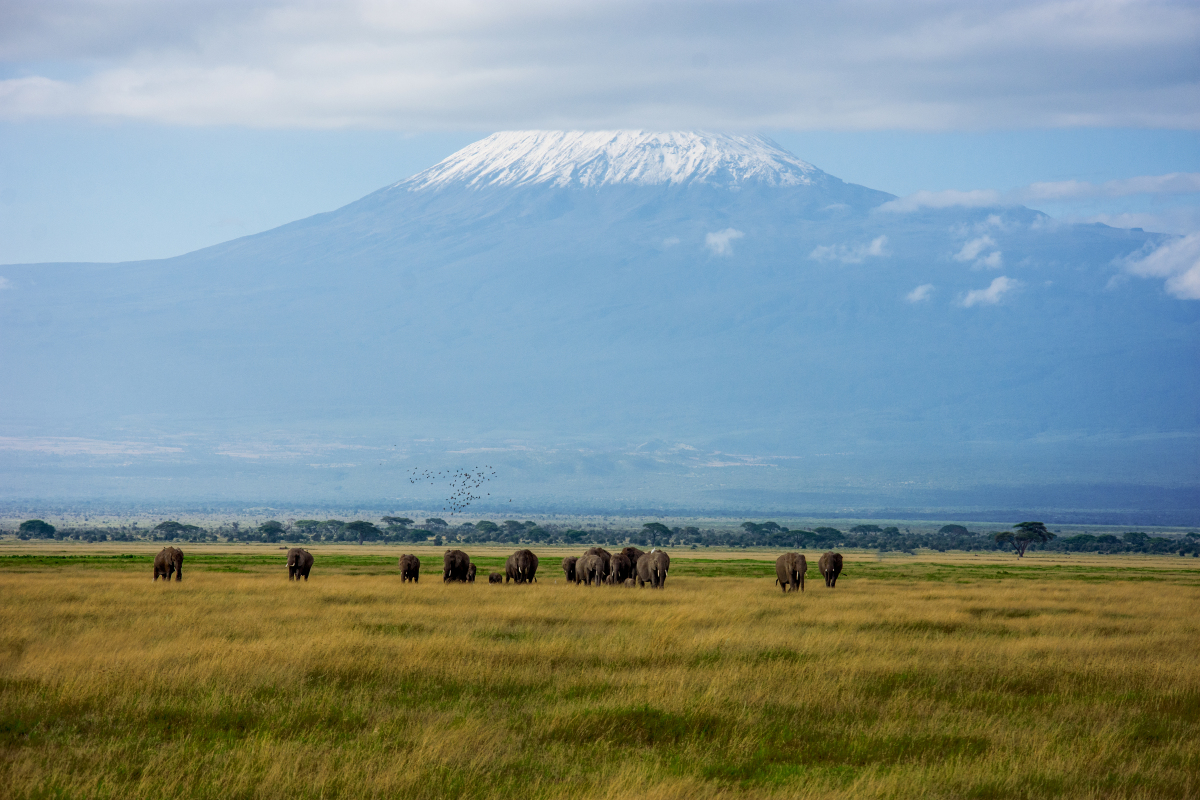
(455, 564)
(569, 568)
(652, 569)
(299, 564)
(590, 569)
(789, 571)
(410, 568)
(521, 567)
(620, 568)
(169, 560)
(605, 558)
(831, 566)
(471, 573)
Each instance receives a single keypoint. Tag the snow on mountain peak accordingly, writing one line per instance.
(598, 158)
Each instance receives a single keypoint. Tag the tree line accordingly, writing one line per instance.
(434, 530)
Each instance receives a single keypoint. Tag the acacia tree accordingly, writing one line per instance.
(364, 530)
(1024, 534)
(656, 529)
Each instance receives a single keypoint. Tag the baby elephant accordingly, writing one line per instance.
(495, 577)
(789, 571)
(300, 562)
(169, 560)
(471, 573)
(831, 566)
(410, 568)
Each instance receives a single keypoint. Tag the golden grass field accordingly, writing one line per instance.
(943, 675)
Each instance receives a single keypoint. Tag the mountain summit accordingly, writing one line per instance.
(601, 158)
(618, 319)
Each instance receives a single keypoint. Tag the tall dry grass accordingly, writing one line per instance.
(243, 685)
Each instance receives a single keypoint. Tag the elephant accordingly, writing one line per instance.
(605, 556)
(633, 554)
(569, 568)
(652, 569)
(632, 582)
(169, 560)
(410, 568)
(455, 564)
(590, 569)
(471, 573)
(299, 563)
(789, 571)
(831, 566)
(495, 577)
(619, 569)
(521, 567)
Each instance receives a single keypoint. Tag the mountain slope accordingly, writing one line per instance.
(651, 303)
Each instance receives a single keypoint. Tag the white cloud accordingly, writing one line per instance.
(1175, 219)
(469, 64)
(720, 242)
(976, 198)
(71, 445)
(851, 254)
(991, 295)
(5, 283)
(971, 250)
(1178, 261)
(974, 251)
(992, 260)
(670, 241)
(1173, 183)
(920, 293)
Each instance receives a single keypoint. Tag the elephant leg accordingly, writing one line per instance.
(178, 575)
(802, 581)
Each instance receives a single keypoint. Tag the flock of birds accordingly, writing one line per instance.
(464, 484)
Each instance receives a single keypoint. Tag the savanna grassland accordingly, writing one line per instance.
(932, 676)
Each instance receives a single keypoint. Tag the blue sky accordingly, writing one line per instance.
(140, 129)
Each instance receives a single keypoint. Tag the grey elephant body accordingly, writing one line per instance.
(569, 567)
(169, 560)
(633, 554)
(299, 564)
(455, 564)
(605, 558)
(652, 569)
(790, 569)
(620, 568)
(410, 568)
(471, 573)
(830, 566)
(495, 577)
(590, 569)
(524, 566)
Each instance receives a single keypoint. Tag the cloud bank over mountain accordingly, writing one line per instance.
(465, 64)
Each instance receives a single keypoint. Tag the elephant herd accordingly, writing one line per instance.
(629, 567)
(791, 567)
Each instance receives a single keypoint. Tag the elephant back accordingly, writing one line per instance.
(633, 554)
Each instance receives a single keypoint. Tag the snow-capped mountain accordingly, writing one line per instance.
(600, 158)
(619, 319)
